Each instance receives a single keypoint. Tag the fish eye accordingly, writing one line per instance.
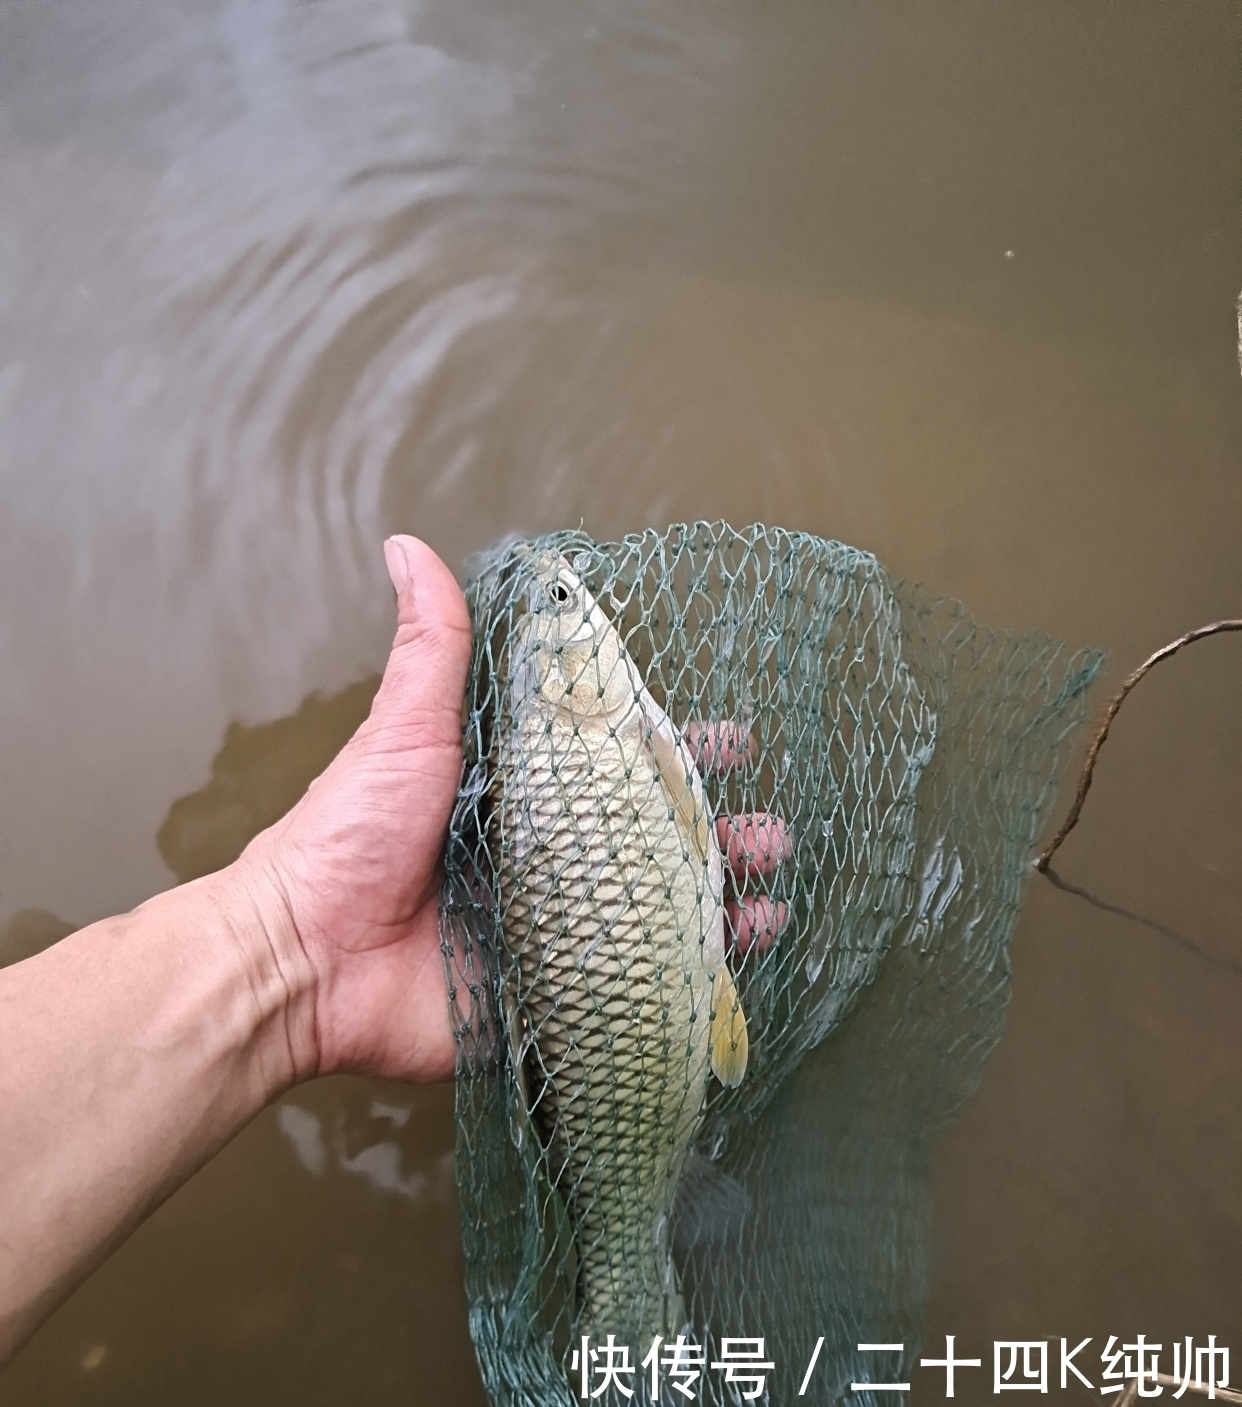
(560, 593)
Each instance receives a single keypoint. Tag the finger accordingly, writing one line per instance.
(753, 844)
(721, 747)
(428, 598)
(756, 923)
(426, 673)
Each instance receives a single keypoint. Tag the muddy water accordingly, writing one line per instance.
(955, 283)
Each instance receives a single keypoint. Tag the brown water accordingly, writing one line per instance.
(952, 282)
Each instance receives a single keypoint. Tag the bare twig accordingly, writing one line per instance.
(1084, 785)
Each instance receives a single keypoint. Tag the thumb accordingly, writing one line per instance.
(431, 650)
(427, 594)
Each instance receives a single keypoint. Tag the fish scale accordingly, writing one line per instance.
(614, 986)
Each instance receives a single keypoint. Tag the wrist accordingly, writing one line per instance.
(253, 912)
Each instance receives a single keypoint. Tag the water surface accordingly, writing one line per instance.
(955, 283)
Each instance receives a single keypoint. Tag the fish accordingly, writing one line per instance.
(620, 1004)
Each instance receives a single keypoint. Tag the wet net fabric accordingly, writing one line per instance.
(664, 1133)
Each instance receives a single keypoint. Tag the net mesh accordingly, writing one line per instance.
(672, 1120)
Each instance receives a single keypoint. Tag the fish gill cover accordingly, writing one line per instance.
(663, 1130)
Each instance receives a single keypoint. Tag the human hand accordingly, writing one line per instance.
(348, 881)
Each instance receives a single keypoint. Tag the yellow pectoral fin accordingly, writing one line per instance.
(730, 1046)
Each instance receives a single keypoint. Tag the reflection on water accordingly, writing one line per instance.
(256, 777)
(379, 1163)
(1229, 964)
(277, 279)
(29, 931)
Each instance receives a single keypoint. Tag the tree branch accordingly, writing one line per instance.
(1084, 785)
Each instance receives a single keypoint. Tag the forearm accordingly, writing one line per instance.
(129, 1053)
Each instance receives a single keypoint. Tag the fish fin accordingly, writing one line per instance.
(515, 1026)
(729, 1042)
(678, 777)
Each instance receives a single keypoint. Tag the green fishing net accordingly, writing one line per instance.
(703, 1057)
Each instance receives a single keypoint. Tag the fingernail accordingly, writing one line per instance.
(398, 564)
